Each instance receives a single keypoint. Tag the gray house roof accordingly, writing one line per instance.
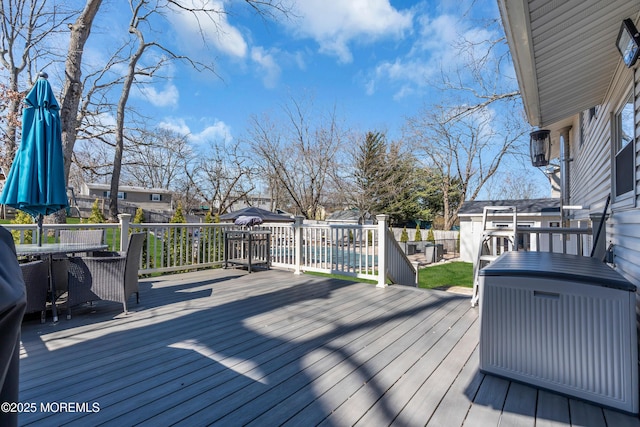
(530, 206)
(348, 215)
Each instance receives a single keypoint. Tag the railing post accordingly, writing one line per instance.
(382, 250)
(125, 219)
(297, 232)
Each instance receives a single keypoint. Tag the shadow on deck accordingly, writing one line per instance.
(270, 348)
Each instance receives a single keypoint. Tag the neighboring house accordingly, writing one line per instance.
(531, 213)
(347, 216)
(145, 198)
(574, 83)
(262, 202)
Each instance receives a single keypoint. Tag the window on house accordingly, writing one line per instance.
(156, 197)
(121, 195)
(624, 149)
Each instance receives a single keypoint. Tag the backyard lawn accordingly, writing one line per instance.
(446, 275)
(440, 276)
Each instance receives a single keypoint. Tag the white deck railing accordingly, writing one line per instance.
(400, 269)
(570, 240)
(352, 250)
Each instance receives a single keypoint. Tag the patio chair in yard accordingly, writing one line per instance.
(112, 276)
(35, 274)
(60, 264)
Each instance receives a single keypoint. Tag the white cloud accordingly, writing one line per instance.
(167, 97)
(215, 29)
(435, 48)
(217, 131)
(336, 23)
(177, 125)
(267, 66)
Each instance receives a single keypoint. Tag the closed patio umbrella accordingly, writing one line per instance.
(35, 183)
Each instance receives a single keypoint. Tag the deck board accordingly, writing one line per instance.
(225, 347)
(456, 402)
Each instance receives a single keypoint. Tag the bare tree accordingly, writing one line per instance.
(72, 89)
(479, 127)
(465, 150)
(515, 185)
(299, 154)
(142, 12)
(158, 159)
(222, 176)
(11, 122)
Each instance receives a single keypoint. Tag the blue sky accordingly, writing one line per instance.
(373, 59)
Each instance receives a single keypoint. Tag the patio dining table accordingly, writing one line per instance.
(47, 250)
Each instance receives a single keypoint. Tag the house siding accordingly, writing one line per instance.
(591, 181)
(590, 170)
(623, 225)
(591, 177)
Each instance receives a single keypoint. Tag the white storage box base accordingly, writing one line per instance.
(560, 322)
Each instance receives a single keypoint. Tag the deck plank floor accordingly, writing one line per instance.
(225, 347)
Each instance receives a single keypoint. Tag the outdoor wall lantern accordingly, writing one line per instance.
(628, 42)
(540, 145)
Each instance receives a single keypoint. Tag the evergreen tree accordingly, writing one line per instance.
(22, 218)
(430, 237)
(139, 219)
(404, 237)
(96, 216)
(418, 236)
(178, 216)
(175, 247)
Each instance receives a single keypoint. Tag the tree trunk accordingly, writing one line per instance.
(13, 113)
(122, 104)
(72, 89)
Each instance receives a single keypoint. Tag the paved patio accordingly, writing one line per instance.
(224, 347)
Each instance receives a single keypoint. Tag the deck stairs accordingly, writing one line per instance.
(495, 240)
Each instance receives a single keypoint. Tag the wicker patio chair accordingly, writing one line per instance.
(60, 264)
(112, 276)
(36, 280)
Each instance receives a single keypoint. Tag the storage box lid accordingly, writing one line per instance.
(557, 266)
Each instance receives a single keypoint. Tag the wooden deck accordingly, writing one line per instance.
(227, 348)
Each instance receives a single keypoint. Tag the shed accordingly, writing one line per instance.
(531, 213)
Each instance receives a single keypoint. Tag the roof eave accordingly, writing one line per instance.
(516, 23)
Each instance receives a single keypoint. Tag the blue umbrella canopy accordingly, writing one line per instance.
(35, 183)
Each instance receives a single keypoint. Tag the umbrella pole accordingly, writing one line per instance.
(39, 237)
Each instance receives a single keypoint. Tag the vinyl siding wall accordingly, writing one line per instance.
(623, 226)
(591, 176)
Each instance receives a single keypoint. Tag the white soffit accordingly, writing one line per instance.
(564, 52)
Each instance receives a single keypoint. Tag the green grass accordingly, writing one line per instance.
(439, 276)
(446, 275)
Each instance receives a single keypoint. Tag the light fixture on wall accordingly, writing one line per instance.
(540, 145)
(628, 42)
